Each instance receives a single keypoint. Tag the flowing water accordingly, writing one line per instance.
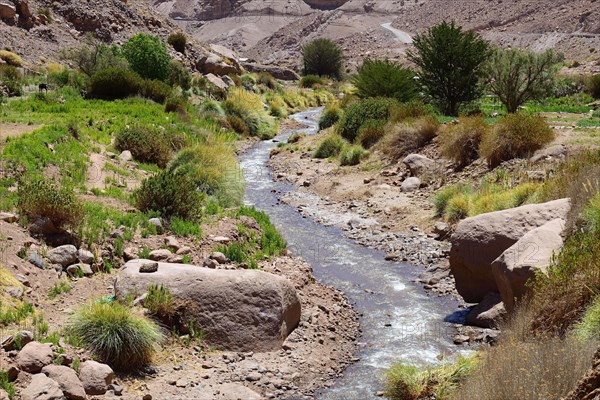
(399, 320)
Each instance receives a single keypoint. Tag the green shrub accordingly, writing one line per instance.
(147, 56)
(296, 137)
(370, 132)
(310, 81)
(271, 242)
(116, 335)
(148, 144)
(357, 113)
(410, 110)
(10, 72)
(176, 103)
(442, 198)
(11, 58)
(114, 83)
(384, 78)
(238, 125)
(322, 57)
(159, 302)
(212, 106)
(592, 85)
(249, 107)
(95, 56)
(155, 90)
(42, 198)
(179, 75)
(177, 41)
(331, 114)
(402, 138)
(214, 170)
(460, 142)
(589, 326)
(457, 208)
(266, 79)
(331, 146)
(351, 155)
(515, 136)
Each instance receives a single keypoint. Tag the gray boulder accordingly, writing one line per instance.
(553, 152)
(42, 388)
(410, 184)
(240, 310)
(487, 314)
(479, 240)
(67, 380)
(285, 74)
(530, 255)
(63, 255)
(417, 163)
(95, 377)
(85, 256)
(34, 356)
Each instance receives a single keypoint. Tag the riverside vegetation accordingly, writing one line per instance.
(176, 133)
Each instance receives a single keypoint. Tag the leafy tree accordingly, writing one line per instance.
(450, 61)
(516, 76)
(95, 55)
(323, 57)
(384, 78)
(147, 56)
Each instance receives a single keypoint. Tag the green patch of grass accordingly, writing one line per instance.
(10, 313)
(185, 228)
(145, 252)
(351, 155)
(159, 302)
(331, 146)
(7, 385)
(58, 289)
(589, 326)
(575, 103)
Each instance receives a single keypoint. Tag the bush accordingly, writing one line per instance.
(296, 137)
(11, 58)
(460, 142)
(266, 79)
(589, 326)
(442, 198)
(331, 114)
(159, 302)
(384, 78)
(310, 81)
(212, 106)
(170, 195)
(214, 170)
(176, 103)
(177, 41)
(322, 57)
(457, 208)
(331, 146)
(95, 56)
(148, 144)
(450, 64)
(114, 83)
(117, 336)
(46, 199)
(147, 56)
(357, 113)
(515, 136)
(370, 132)
(410, 110)
(592, 85)
(238, 125)
(402, 138)
(155, 90)
(249, 107)
(11, 73)
(179, 75)
(351, 155)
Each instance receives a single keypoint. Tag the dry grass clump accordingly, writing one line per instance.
(402, 138)
(460, 142)
(515, 136)
(250, 108)
(11, 58)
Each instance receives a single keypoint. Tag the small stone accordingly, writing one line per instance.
(63, 255)
(130, 253)
(95, 377)
(126, 156)
(172, 243)
(35, 259)
(85, 256)
(160, 255)
(219, 257)
(148, 267)
(221, 239)
(147, 396)
(117, 389)
(253, 376)
(183, 251)
(210, 263)
(157, 222)
(8, 217)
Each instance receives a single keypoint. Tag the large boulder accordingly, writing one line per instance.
(95, 377)
(285, 74)
(241, 310)
(218, 65)
(7, 11)
(34, 356)
(42, 388)
(67, 380)
(417, 163)
(521, 262)
(63, 255)
(479, 240)
(487, 314)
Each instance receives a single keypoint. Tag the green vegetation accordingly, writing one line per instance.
(384, 78)
(58, 289)
(404, 137)
(331, 146)
(370, 132)
(159, 302)
(249, 108)
(516, 76)
(330, 115)
(589, 326)
(311, 81)
(351, 155)
(460, 142)
(147, 56)
(150, 144)
(367, 109)
(114, 83)
(177, 41)
(322, 57)
(95, 56)
(11, 58)
(407, 382)
(449, 61)
(116, 335)
(515, 136)
(7, 385)
(46, 199)
(593, 85)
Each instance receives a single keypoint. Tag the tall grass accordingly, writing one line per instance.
(249, 107)
(330, 146)
(460, 142)
(404, 137)
(116, 335)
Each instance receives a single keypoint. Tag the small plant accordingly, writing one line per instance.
(323, 57)
(184, 228)
(310, 81)
(331, 146)
(159, 302)
(145, 253)
(187, 259)
(295, 137)
(7, 385)
(116, 335)
(515, 136)
(155, 90)
(59, 288)
(249, 107)
(460, 142)
(367, 109)
(441, 199)
(384, 78)
(176, 103)
(177, 41)
(331, 114)
(370, 132)
(149, 144)
(592, 85)
(11, 58)
(46, 199)
(458, 208)
(589, 326)
(179, 75)
(351, 155)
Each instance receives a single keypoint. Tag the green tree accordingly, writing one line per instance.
(450, 62)
(384, 78)
(323, 57)
(95, 55)
(516, 76)
(147, 56)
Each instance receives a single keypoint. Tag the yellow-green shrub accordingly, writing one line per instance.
(249, 107)
(11, 58)
(331, 146)
(460, 142)
(351, 155)
(404, 137)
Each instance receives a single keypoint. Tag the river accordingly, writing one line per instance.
(399, 321)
